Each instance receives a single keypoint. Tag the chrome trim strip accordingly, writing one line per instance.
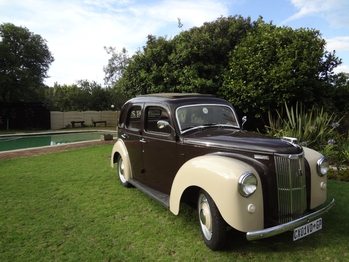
(272, 231)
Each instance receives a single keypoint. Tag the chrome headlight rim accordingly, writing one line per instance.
(322, 166)
(247, 184)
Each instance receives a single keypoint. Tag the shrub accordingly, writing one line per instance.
(318, 130)
(312, 128)
(337, 151)
(340, 173)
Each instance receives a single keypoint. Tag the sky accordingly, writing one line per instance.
(78, 30)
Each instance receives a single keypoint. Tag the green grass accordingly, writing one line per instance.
(69, 206)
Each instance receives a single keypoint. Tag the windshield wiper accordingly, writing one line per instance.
(219, 125)
(188, 128)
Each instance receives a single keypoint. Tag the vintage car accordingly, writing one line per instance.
(191, 147)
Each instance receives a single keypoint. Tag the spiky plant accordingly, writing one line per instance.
(312, 128)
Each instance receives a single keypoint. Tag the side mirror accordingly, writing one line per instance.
(244, 120)
(163, 123)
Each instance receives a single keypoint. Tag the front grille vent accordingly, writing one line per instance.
(290, 176)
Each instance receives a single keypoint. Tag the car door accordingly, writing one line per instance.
(159, 150)
(131, 134)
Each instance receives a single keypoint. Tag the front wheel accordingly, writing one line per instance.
(212, 225)
(121, 169)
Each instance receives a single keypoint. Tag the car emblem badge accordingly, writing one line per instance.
(262, 157)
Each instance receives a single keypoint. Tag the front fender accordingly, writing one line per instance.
(119, 148)
(318, 188)
(219, 176)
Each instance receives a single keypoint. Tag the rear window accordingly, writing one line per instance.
(134, 118)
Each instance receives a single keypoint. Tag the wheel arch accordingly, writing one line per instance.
(120, 150)
(219, 176)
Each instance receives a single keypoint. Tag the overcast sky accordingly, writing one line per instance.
(77, 30)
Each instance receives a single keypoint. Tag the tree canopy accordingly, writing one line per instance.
(273, 65)
(192, 61)
(24, 62)
(117, 65)
(257, 66)
(82, 96)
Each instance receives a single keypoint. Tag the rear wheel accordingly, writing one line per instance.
(121, 170)
(212, 225)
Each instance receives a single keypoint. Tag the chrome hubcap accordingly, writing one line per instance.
(205, 217)
(121, 170)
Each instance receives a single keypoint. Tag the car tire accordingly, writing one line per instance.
(212, 225)
(120, 170)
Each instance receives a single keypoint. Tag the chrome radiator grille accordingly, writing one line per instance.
(290, 176)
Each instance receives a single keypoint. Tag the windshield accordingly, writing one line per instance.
(199, 116)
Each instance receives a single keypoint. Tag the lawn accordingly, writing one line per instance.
(69, 206)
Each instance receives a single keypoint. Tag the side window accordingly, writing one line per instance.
(154, 114)
(134, 118)
(121, 122)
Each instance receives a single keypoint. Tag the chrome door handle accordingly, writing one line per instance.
(124, 136)
(143, 140)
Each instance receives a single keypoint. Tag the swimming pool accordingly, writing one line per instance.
(14, 142)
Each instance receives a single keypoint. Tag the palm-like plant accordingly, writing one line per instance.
(312, 128)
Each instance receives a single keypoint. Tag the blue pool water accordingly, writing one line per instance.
(28, 141)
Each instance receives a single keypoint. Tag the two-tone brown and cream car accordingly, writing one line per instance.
(191, 147)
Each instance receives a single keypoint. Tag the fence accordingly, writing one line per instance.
(63, 119)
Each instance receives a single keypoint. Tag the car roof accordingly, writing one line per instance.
(177, 98)
(176, 95)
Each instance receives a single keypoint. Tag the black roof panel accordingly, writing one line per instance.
(175, 95)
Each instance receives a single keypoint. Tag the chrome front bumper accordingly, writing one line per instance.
(272, 231)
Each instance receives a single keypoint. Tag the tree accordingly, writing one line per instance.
(117, 65)
(82, 96)
(24, 62)
(68, 98)
(192, 61)
(146, 69)
(273, 65)
(201, 54)
(340, 93)
(257, 66)
(97, 97)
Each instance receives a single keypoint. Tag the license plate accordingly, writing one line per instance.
(307, 229)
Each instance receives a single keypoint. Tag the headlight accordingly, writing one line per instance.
(322, 166)
(247, 184)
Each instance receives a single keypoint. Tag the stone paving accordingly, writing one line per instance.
(51, 149)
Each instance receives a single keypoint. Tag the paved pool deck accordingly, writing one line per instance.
(37, 151)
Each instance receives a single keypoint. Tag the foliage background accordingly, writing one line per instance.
(24, 62)
(257, 66)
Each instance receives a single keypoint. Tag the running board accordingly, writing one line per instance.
(162, 198)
